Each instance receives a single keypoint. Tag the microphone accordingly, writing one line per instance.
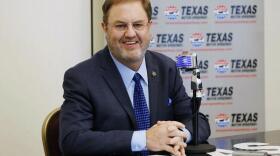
(187, 62)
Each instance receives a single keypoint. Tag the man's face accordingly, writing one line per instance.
(128, 32)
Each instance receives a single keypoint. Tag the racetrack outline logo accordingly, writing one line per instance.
(197, 39)
(171, 12)
(221, 66)
(221, 11)
(222, 120)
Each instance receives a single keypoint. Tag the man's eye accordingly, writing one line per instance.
(138, 25)
(120, 26)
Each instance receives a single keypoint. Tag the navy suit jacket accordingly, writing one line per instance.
(97, 115)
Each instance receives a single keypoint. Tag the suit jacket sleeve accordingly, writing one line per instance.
(77, 136)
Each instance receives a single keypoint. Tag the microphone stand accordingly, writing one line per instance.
(188, 62)
(196, 87)
(197, 149)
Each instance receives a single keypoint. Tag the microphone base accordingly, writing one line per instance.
(199, 149)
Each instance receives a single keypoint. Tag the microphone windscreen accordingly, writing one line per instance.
(184, 62)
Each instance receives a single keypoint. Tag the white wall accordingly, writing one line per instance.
(99, 41)
(39, 40)
(272, 64)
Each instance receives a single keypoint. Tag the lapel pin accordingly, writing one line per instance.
(154, 74)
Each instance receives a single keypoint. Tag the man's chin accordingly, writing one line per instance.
(134, 58)
(133, 52)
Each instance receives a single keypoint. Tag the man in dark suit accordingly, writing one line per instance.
(100, 114)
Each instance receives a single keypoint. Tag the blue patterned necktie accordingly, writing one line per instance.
(140, 107)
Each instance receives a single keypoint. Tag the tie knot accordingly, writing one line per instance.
(137, 77)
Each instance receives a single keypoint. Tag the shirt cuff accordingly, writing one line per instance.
(138, 141)
(188, 134)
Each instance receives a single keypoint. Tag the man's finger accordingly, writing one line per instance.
(177, 149)
(177, 133)
(169, 149)
(175, 140)
(182, 151)
(161, 122)
(174, 123)
(172, 128)
(182, 144)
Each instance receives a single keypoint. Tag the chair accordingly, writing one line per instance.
(50, 133)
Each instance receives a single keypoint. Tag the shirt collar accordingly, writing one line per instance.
(127, 74)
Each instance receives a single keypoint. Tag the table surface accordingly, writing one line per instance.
(271, 137)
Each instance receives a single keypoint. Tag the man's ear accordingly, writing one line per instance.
(104, 27)
(150, 24)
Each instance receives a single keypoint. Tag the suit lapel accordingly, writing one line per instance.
(115, 83)
(153, 78)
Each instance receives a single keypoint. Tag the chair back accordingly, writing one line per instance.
(50, 133)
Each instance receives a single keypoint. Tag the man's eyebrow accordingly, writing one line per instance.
(138, 21)
(118, 21)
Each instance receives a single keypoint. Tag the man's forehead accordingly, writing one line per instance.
(123, 12)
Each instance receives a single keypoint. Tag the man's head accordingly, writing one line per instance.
(126, 24)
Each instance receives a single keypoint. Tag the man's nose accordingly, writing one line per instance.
(130, 31)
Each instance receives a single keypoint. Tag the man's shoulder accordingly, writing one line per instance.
(89, 64)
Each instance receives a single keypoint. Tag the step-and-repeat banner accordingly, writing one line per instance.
(228, 37)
